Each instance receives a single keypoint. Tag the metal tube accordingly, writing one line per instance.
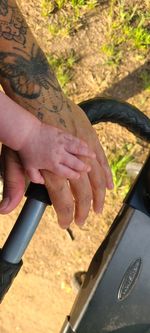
(23, 231)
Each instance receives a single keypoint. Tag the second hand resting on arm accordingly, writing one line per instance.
(41, 146)
(27, 78)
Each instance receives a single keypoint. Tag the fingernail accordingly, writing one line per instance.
(79, 223)
(63, 225)
(4, 203)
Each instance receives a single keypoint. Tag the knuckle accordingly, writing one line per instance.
(65, 214)
(54, 162)
(85, 201)
(68, 209)
(88, 198)
(55, 191)
(11, 184)
(73, 145)
(100, 185)
(97, 185)
(55, 168)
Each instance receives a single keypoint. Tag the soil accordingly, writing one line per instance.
(43, 293)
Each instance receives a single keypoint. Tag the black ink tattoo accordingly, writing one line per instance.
(3, 7)
(28, 77)
(40, 116)
(68, 108)
(12, 25)
(62, 122)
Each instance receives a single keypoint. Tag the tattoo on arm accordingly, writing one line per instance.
(62, 122)
(40, 116)
(27, 72)
(28, 77)
(3, 7)
(12, 24)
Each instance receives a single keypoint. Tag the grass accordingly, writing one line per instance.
(128, 29)
(145, 77)
(49, 6)
(118, 162)
(63, 67)
(66, 16)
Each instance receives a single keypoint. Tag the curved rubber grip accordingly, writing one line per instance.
(104, 110)
(124, 114)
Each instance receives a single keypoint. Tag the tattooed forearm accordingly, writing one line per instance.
(3, 7)
(62, 122)
(12, 25)
(26, 69)
(40, 116)
(39, 110)
(28, 75)
(25, 73)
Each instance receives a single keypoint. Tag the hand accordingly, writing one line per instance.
(91, 186)
(65, 196)
(14, 180)
(51, 149)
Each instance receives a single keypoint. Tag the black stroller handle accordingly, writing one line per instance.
(119, 112)
(97, 110)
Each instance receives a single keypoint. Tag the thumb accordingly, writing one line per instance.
(35, 176)
(14, 180)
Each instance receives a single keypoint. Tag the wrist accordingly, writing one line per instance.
(33, 127)
(16, 123)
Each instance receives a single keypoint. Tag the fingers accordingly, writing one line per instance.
(83, 195)
(91, 187)
(35, 176)
(14, 181)
(98, 185)
(61, 197)
(77, 146)
(75, 163)
(63, 171)
(101, 158)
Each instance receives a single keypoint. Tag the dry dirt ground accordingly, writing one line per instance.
(42, 294)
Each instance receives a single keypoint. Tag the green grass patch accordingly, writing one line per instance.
(66, 16)
(128, 29)
(118, 162)
(63, 67)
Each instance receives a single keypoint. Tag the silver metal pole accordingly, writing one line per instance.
(23, 231)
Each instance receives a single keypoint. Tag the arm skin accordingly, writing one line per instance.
(27, 78)
(13, 116)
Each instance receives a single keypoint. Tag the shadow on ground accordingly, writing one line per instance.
(131, 85)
